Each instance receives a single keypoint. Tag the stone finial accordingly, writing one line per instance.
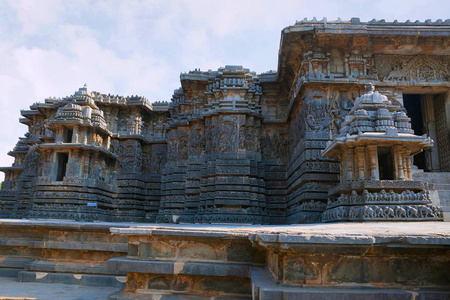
(370, 88)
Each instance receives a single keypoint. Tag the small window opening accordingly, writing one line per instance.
(385, 163)
(62, 159)
(68, 136)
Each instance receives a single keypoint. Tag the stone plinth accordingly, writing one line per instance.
(239, 262)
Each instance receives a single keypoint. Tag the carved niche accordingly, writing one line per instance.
(196, 140)
(315, 112)
(340, 106)
(33, 163)
(131, 157)
(228, 135)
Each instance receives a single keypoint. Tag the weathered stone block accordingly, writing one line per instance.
(156, 249)
(195, 250)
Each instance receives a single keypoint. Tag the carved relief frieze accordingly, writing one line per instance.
(412, 68)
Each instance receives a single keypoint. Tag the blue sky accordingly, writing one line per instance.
(52, 47)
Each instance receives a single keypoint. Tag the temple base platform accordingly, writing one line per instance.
(383, 260)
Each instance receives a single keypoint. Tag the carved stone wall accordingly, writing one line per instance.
(236, 147)
(316, 120)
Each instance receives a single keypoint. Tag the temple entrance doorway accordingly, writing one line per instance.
(421, 109)
(413, 106)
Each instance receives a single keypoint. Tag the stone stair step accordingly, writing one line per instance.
(265, 288)
(71, 267)
(15, 262)
(70, 278)
(122, 295)
(10, 272)
(124, 265)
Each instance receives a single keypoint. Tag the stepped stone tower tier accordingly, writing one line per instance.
(306, 143)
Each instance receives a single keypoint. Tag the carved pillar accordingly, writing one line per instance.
(85, 170)
(82, 135)
(398, 162)
(348, 169)
(359, 157)
(347, 68)
(59, 135)
(108, 142)
(328, 64)
(407, 164)
(73, 164)
(432, 155)
(373, 162)
(75, 135)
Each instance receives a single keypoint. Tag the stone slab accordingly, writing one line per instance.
(73, 279)
(423, 233)
(10, 288)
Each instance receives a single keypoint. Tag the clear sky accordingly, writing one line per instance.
(130, 47)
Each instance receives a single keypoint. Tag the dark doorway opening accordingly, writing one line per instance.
(62, 159)
(385, 163)
(413, 106)
(68, 135)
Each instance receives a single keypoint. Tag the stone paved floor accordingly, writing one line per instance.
(11, 289)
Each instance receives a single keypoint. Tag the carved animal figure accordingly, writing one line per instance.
(368, 212)
(400, 212)
(394, 75)
(378, 212)
(425, 211)
(411, 212)
(354, 212)
(388, 212)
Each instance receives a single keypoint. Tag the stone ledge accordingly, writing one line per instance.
(420, 233)
(423, 233)
(71, 267)
(69, 278)
(122, 264)
(63, 245)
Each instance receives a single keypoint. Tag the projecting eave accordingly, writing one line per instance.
(12, 168)
(414, 143)
(76, 146)
(376, 36)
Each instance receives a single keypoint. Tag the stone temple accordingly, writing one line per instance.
(303, 144)
(207, 196)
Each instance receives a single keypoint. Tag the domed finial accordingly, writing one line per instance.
(370, 88)
(85, 86)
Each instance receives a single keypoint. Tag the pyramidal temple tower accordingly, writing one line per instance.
(374, 147)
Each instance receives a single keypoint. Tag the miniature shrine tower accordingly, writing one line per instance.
(374, 147)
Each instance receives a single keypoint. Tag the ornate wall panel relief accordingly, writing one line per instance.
(131, 157)
(412, 68)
